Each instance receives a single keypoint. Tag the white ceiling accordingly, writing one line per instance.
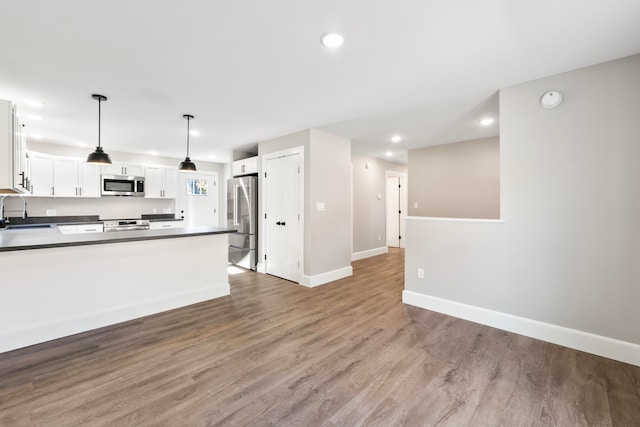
(252, 70)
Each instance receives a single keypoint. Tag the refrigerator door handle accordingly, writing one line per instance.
(236, 202)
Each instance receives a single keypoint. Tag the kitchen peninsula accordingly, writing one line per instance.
(54, 285)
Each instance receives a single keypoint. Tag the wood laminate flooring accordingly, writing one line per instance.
(344, 354)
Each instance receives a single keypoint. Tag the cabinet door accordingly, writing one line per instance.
(153, 182)
(160, 225)
(65, 177)
(21, 177)
(88, 180)
(251, 165)
(170, 183)
(89, 228)
(133, 170)
(41, 175)
(115, 169)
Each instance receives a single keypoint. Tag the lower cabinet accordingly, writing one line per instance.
(81, 228)
(160, 225)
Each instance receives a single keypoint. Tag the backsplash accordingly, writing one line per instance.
(104, 207)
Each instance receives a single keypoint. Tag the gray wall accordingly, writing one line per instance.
(327, 234)
(369, 213)
(567, 253)
(460, 180)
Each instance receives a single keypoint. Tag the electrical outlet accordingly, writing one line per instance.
(379, 238)
(420, 273)
(415, 205)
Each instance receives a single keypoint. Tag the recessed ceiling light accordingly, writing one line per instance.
(212, 156)
(36, 136)
(34, 117)
(153, 153)
(396, 138)
(194, 133)
(81, 144)
(33, 103)
(332, 39)
(388, 154)
(486, 122)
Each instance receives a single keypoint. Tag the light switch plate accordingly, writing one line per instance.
(320, 206)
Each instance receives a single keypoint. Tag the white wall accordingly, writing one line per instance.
(565, 260)
(110, 207)
(327, 234)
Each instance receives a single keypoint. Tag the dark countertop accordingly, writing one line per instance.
(42, 238)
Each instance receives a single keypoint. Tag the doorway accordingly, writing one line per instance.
(396, 201)
(282, 219)
(198, 198)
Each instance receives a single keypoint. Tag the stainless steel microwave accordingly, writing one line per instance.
(122, 185)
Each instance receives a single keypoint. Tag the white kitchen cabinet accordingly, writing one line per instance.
(160, 182)
(75, 178)
(13, 151)
(163, 225)
(81, 228)
(123, 169)
(245, 166)
(41, 167)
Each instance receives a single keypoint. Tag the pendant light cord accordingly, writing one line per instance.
(188, 119)
(99, 115)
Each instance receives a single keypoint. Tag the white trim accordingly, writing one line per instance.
(369, 253)
(596, 344)
(433, 218)
(14, 339)
(329, 276)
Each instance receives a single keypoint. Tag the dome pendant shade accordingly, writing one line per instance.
(99, 157)
(187, 164)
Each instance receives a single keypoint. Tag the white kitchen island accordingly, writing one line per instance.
(54, 285)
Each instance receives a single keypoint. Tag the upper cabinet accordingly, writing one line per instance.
(123, 169)
(41, 167)
(246, 166)
(75, 178)
(13, 151)
(160, 182)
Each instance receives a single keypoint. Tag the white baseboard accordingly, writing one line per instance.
(29, 336)
(596, 344)
(329, 276)
(369, 253)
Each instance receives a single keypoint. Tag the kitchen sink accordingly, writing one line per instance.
(28, 226)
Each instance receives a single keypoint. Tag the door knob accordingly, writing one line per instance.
(283, 223)
(278, 223)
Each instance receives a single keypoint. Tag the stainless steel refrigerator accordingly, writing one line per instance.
(242, 214)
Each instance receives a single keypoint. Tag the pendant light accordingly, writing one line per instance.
(187, 164)
(99, 157)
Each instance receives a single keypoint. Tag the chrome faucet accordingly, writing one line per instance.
(3, 219)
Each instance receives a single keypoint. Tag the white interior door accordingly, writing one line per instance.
(198, 199)
(282, 209)
(393, 211)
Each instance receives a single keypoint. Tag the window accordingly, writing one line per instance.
(197, 187)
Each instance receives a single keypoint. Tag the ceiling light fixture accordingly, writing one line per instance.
(34, 117)
(388, 154)
(486, 122)
(194, 133)
(396, 138)
(36, 136)
(187, 164)
(99, 157)
(332, 40)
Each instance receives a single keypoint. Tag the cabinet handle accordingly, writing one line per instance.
(166, 225)
(53, 193)
(91, 229)
(80, 191)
